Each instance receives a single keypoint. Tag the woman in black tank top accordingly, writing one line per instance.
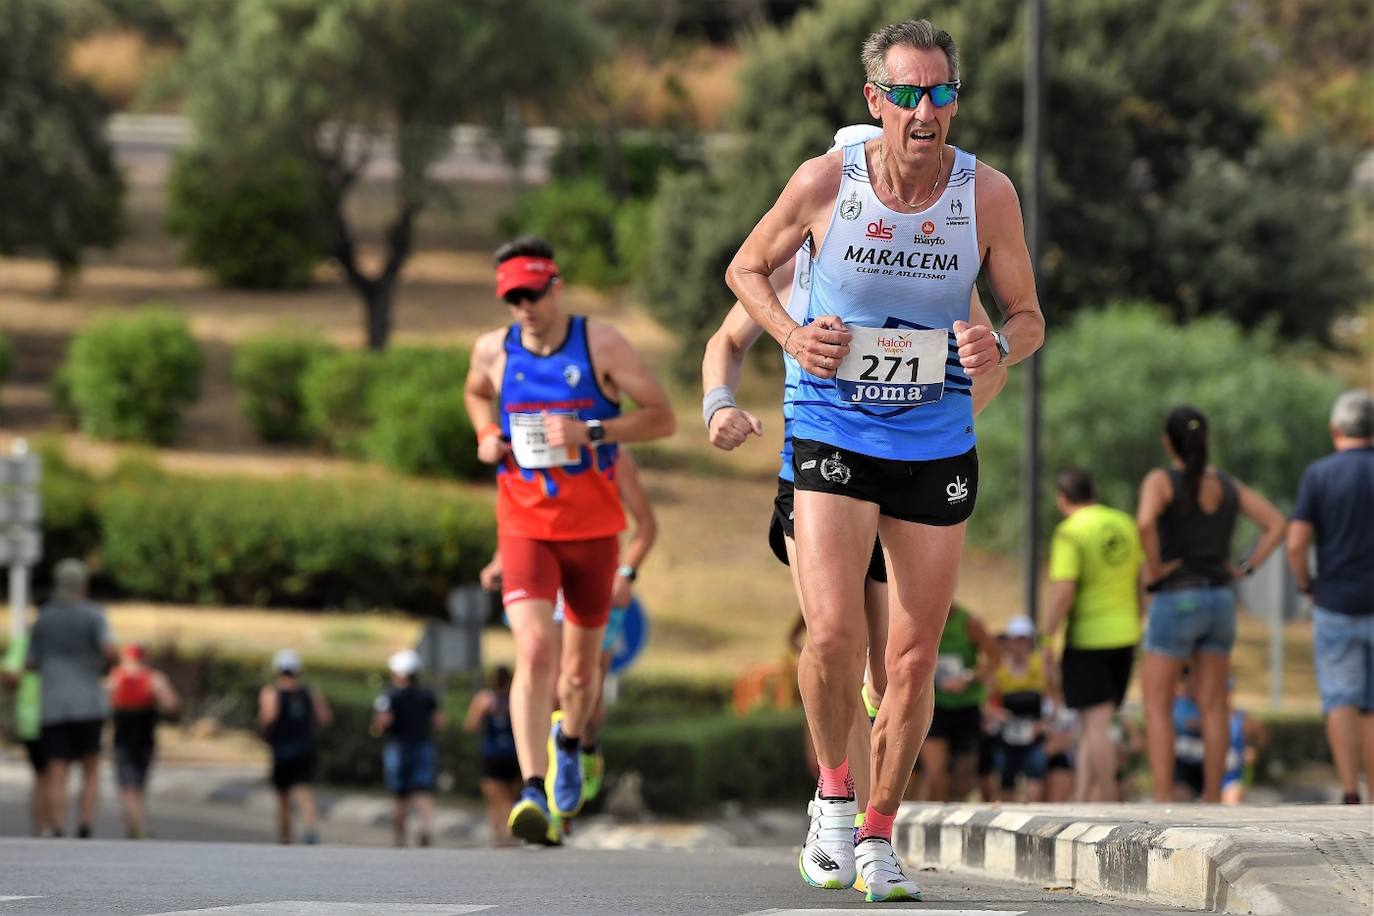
(1187, 517)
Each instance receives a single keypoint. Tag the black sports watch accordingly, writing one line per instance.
(595, 431)
(1003, 346)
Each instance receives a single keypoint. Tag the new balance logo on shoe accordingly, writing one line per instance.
(824, 861)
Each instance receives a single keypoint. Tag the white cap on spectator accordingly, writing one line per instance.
(1020, 628)
(287, 661)
(404, 663)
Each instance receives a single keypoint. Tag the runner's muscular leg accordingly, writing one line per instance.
(532, 685)
(875, 610)
(834, 542)
(858, 747)
(923, 566)
(580, 676)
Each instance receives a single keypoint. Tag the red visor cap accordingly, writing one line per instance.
(524, 272)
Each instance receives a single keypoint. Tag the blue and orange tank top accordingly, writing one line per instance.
(564, 495)
(903, 279)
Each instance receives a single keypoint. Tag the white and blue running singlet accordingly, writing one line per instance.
(799, 300)
(899, 281)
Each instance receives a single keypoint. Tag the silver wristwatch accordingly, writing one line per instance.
(1003, 346)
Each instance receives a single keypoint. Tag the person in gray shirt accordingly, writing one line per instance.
(71, 648)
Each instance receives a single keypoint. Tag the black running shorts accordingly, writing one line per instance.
(937, 492)
(1096, 676)
(781, 526)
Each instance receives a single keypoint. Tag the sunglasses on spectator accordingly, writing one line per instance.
(517, 296)
(941, 94)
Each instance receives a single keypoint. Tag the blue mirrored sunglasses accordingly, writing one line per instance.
(941, 94)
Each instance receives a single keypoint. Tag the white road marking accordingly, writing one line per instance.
(888, 908)
(330, 908)
(7, 899)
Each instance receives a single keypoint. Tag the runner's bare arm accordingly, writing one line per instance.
(636, 500)
(809, 195)
(628, 374)
(1001, 237)
(985, 387)
(482, 701)
(479, 396)
(165, 695)
(729, 425)
(267, 707)
(323, 714)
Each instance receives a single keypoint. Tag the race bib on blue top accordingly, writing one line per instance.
(893, 367)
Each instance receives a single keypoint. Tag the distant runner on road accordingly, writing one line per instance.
(544, 395)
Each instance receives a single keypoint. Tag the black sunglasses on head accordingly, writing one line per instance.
(517, 296)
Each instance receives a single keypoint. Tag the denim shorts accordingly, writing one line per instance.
(1191, 620)
(1344, 646)
(409, 766)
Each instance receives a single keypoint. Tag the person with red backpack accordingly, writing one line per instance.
(139, 696)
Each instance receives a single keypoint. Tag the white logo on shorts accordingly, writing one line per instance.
(808, 465)
(834, 470)
(958, 491)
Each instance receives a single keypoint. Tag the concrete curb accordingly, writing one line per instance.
(1202, 858)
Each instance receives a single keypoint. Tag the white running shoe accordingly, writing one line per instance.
(882, 873)
(827, 859)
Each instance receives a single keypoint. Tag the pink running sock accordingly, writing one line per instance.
(835, 783)
(877, 824)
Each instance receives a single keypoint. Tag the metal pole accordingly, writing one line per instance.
(1034, 113)
(19, 600)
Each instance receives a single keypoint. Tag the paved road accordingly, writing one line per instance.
(155, 877)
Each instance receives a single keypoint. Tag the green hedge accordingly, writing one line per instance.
(348, 543)
(402, 408)
(345, 543)
(258, 228)
(129, 376)
(268, 373)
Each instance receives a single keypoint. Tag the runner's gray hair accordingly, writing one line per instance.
(917, 33)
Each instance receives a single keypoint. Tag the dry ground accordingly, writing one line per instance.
(719, 601)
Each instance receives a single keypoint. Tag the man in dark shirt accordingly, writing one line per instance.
(408, 714)
(1336, 509)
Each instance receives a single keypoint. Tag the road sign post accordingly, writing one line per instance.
(21, 516)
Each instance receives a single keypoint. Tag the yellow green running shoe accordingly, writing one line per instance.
(593, 769)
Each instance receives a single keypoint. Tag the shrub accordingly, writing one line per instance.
(402, 408)
(578, 217)
(1110, 378)
(256, 227)
(269, 373)
(71, 526)
(129, 376)
(421, 425)
(348, 543)
(335, 391)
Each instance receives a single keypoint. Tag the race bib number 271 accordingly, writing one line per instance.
(891, 366)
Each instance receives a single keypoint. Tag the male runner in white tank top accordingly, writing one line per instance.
(729, 427)
(883, 424)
